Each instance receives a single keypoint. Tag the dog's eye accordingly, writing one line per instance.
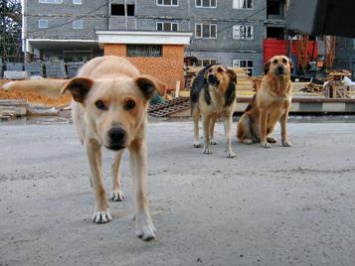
(284, 61)
(130, 104)
(274, 62)
(220, 70)
(101, 105)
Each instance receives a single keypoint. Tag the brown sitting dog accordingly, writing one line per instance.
(270, 104)
(213, 95)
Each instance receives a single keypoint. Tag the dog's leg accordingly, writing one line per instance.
(138, 162)
(212, 125)
(263, 129)
(117, 194)
(93, 151)
(196, 117)
(227, 131)
(206, 120)
(244, 130)
(283, 122)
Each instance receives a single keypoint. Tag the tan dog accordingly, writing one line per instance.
(213, 95)
(110, 109)
(270, 104)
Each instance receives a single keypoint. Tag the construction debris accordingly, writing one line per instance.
(312, 88)
(7, 115)
(10, 109)
(336, 85)
(169, 107)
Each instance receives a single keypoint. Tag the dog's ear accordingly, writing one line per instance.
(79, 88)
(232, 75)
(146, 85)
(267, 67)
(160, 86)
(291, 64)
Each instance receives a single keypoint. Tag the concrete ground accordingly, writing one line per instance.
(278, 206)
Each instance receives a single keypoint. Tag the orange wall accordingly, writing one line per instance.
(168, 68)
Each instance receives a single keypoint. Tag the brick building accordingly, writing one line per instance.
(230, 32)
(157, 54)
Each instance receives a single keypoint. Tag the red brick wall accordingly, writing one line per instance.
(168, 68)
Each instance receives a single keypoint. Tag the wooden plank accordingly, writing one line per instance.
(20, 103)
(17, 110)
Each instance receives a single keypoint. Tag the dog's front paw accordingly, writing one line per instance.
(213, 142)
(271, 140)
(231, 154)
(145, 229)
(101, 217)
(207, 151)
(286, 144)
(197, 144)
(247, 141)
(266, 145)
(117, 196)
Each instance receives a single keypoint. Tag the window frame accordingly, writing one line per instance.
(163, 23)
(171, 3)
(77, 2)
(244, 37)
(202, 29)
(133, 50)
(202, 6)
(52, 2)
(41, 20)
(249, 69)
(238, 4)
(77, 21)
(206, 62)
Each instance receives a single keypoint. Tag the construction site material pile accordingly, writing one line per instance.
(169, 107)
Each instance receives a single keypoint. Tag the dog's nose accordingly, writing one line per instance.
(117, 137)
(280, 70)
(213, 80)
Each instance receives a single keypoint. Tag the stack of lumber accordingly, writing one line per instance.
(244, 82)
(312, 88)
(10, 109)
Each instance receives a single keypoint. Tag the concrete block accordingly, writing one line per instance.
(15, 75)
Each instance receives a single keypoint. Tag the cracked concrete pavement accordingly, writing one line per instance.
(278, 206)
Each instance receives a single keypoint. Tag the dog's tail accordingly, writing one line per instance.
(47, 87)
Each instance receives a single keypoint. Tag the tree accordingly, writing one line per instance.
(10, 30)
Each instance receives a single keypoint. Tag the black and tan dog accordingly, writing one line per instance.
(270, 104)
(213, 95)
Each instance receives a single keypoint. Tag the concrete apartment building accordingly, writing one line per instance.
(231, 32)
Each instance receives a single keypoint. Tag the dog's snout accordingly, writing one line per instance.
(117, 137)
(117, 134)
(213, 80)
(280, 70)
